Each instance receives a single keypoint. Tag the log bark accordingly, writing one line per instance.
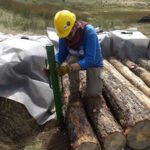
(128, 74)
(108, 131)
(141, 72)
(141, 96)
(145, 63)
(130, 106)
(79, 129)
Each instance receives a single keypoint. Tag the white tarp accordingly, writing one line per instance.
(21, 75)
(123, 44)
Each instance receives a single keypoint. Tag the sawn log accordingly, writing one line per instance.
(79, 129)
(130, 106)
(128, 74)
(141, 72)
(108, 131)
(145, 63)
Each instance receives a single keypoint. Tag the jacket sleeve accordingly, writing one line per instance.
(62, 53)
(90, 49)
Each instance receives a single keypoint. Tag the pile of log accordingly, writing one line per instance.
(141, 72)
(108, 131)
(130, 106)
(128, 74)
(145, 63)
(119, 117)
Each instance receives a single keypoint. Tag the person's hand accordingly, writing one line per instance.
(62, 69)
(75, 67)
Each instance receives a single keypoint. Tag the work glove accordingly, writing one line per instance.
(62, 69)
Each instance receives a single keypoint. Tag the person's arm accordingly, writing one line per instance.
(90, 50)
(62, 53)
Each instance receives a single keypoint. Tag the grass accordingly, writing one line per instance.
(34, 15)
(33, 143)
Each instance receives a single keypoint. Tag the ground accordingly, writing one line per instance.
(19, 131)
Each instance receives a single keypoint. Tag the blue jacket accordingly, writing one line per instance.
(92, 51)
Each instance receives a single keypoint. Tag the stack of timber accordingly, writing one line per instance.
(109, 132)
(128, 74)
(80, 131)
(141, 72)
(145, 63)
(130, 106)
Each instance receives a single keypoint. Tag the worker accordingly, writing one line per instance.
(80, 48)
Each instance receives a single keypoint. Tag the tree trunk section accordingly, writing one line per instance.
(145, 63)
(141, 96)
(128, 74)
(141, 72)
(79, 129)
(108, 131)
(131, 110)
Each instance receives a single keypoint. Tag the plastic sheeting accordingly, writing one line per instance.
(21, 77)
(123, 44)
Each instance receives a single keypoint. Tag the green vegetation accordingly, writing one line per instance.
(35, 15)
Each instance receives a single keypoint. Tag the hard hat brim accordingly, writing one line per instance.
(64, 34)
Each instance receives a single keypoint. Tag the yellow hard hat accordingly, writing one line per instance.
(64, 21)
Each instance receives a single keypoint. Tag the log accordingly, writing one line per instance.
(79, 129)
(141, 96)
(130, 109)
(145, 63)
(108, 131)
(128, 74)
(141, 72)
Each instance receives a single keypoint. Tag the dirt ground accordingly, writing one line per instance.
(19, 131)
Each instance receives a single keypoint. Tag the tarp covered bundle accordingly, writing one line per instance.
(123, 44)
(22, 59)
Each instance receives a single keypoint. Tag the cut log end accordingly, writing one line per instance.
(139, 136)
(88, 146)
(115, 141)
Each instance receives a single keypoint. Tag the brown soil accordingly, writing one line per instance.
(54, 138)
(18, 130)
